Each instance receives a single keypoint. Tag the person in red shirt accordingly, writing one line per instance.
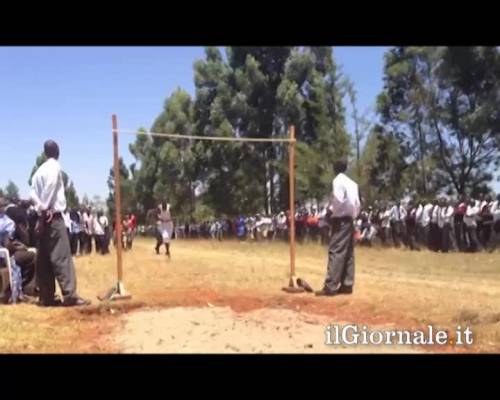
(458, 222)
(132, 222)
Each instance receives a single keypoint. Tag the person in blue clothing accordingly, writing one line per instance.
(240, 228)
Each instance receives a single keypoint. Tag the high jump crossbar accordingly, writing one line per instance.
(118, 292)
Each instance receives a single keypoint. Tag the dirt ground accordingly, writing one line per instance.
(222, 330)
(233, 290)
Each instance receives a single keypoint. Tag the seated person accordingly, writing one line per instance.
(18, 212)
(18, 251)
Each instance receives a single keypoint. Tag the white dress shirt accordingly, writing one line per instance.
(97, 228)
(470, 215)
(47, 188)
(419, 213)
(395, 213)
(86, 223)
(402, 213)
(495, 210)
(435, 214)
(426, 215)
(385, 219)
(446, 215)
(103, 220)
(345, 197)
(67, 220)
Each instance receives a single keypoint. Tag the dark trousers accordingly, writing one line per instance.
(26, 261)
(97, 241)
(434, 237)
(472, 237)
(495, 242)
(447, 238)
(340, 254)
(460, 234)
(55, 262)
(486, 231)
(105, 243)
(85, 243)
(89, 243)
(411, 236)
(73, 242)
(82, 243)
(423, 234)
(385, 233)
(396, 232)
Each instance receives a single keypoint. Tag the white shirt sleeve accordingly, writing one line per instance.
(449, 212)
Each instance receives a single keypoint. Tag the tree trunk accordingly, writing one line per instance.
(421, 140)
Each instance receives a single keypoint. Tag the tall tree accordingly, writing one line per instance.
(311, 99)
(444, 102)
(383, 174)
(12, 191)
(128, 199)
(257, 92)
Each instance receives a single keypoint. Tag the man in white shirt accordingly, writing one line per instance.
(344, 208)
(458, 223)
(54, 259)
(446, 222)
(104, 223)
(495, 211)
(87, 231)
(434, 229)
(98, 231)
(385, 224)
(470, 221)
(425, 222)
(395, 220)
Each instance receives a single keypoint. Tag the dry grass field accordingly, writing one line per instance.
(394, 288)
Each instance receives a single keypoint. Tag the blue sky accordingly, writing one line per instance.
(69, 93)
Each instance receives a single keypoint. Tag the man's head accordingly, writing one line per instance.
(25, 204)
(51, 149)
(487, 198)
(340, 166)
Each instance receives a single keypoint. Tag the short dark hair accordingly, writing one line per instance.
(51, 149)
(340, 166)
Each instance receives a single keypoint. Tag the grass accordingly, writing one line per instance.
(393, 287)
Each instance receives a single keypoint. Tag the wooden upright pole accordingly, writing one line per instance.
(118, 202)
(291, 173)
(117, 292)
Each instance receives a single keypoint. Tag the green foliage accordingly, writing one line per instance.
(12, 191)
(252, 92)
(443, 102)
(127, 191)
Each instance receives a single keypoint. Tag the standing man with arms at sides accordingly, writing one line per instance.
(344, 208)
(54, 254)
(165, 228)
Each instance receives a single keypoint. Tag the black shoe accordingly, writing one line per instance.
(303, 284)
(326, 292)
(75, 301)
(50, 303)
(345, 290)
